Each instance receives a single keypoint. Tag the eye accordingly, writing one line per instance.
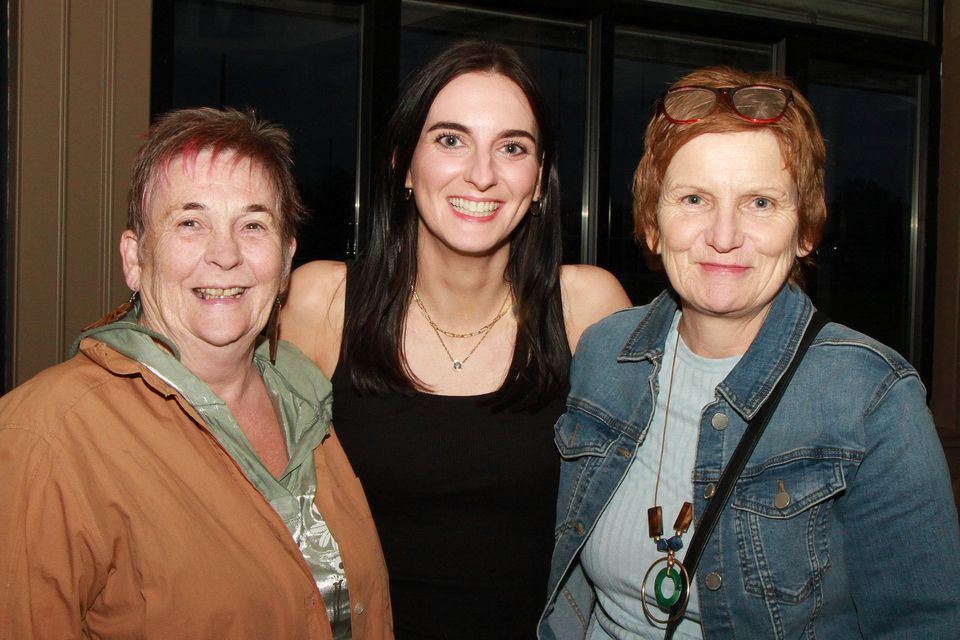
(762, 203)
(189, 223)
(254, 226)
(515, 149)
(448, 140)
(693, 199)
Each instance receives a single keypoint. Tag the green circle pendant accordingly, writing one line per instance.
(665, 602)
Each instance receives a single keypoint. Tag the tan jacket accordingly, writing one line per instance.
(121, 516)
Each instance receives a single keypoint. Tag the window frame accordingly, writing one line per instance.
(795, 43)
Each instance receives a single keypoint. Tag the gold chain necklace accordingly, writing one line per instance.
(680, 579)
(451, 334)
(483, 331)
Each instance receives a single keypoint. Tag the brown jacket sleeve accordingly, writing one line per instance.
(48, 543)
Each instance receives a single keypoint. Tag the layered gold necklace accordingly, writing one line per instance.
(483, 331)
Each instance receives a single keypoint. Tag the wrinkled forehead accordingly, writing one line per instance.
(209, 165)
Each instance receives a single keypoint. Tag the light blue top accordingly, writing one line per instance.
(619, 550)
(868, 544)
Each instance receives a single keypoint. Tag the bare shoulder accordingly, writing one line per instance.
(589, 295)
(312, 316)
(319, 281)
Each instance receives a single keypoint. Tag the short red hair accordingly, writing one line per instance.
(801, 145)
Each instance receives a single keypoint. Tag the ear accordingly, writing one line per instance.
(652, 239)
(130, 256)
(408, 181)
(804, 247)
(538, 192)
(291, 249)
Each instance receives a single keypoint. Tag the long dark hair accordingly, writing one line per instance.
(379, 281)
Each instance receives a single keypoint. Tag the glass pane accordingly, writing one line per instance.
(869, 118)
(900, 18)
(557, 53)
(297, 63)
(644, 65)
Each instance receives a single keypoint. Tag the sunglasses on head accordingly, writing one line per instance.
(757, 103)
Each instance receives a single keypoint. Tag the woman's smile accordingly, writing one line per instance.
(216, 293)
(475, 169)
(720, 268)
(213, 258)
(475, 210)
(728, 223)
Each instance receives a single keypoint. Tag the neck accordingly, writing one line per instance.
(462, 292)
(228, 371)
(711, 336)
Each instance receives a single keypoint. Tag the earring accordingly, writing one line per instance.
(536, 208)
(408, 193)
(273, 329)
(117, 314)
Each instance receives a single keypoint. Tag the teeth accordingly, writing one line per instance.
(474, 208)
(211, 293)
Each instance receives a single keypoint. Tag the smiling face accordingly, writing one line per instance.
(474, 171)
(212, 258)
(728, 222)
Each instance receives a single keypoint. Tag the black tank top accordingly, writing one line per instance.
(464, 499)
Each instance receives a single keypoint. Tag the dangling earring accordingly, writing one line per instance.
(117, 314)
(273, 329)
(536, 208)
(408, 193)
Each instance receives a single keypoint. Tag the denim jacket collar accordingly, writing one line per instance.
(747, 387)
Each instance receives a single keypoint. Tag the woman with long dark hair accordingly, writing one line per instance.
(449, 343)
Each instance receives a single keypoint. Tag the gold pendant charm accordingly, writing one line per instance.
(677, 600)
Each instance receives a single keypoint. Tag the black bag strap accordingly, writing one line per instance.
(728, 479)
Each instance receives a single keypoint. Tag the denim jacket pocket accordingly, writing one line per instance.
(782, 513)
(580, 432)
(596, 451)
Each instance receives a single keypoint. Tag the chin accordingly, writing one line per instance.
(226, 338)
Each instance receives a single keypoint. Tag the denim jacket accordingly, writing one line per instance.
(868, 545)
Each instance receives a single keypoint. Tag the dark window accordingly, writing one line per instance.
(602, 65)
(297, 63)
(869, 118)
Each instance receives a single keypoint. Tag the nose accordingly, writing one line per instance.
(724, 233)
(481, 171)
(223, 250)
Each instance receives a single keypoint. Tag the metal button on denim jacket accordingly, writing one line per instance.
(842, 525)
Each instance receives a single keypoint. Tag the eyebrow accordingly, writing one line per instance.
(256, 207)
(506, 133)
(701, 186)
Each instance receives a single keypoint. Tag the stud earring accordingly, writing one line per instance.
(408, 194)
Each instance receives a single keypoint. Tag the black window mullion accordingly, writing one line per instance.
(596, 157)
(379, 71)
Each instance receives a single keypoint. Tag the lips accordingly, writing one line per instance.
(213, 293)
(475, 208)
(714, 267)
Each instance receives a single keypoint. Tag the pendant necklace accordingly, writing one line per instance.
(483, 331)
(680, 579)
